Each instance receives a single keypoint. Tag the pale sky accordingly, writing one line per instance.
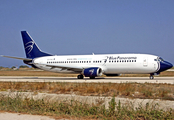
(73, 27)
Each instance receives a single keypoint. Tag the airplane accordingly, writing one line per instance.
(92, 65)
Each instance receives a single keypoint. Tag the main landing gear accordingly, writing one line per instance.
(80, 77)
(92, 77)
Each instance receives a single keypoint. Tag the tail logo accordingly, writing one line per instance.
(29, 46)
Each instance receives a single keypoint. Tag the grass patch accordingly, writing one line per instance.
(75, 109)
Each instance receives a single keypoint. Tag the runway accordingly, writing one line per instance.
(169, 80)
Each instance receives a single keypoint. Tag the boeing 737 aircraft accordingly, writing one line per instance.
(92, 65)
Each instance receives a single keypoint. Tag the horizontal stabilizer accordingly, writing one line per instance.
(26, 59)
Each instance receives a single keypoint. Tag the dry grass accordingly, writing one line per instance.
(34, 73)
(134, 90)
(131, 90)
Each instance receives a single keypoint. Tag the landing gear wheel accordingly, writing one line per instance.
(92, 77)
(80, 77)
(151, 77)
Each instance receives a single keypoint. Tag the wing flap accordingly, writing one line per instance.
(75, 69)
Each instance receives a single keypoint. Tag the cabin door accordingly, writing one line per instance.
(145, 62)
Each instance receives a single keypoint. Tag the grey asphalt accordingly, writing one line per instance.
(169, 80)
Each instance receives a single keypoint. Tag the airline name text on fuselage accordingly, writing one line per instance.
(120, 58)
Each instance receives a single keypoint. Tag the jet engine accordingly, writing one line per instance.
(92, 72)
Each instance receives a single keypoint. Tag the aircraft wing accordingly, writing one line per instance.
(75, 69)
(26, 59)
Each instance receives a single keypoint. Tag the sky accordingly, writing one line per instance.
(73, 27)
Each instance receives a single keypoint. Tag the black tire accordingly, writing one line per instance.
(92, 77)
(151, 77)
(80, 77)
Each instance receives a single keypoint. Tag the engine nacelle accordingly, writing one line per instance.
(92, 72)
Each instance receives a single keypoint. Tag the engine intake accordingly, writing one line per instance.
(92, 72)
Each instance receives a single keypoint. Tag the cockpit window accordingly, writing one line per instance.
(160, 59)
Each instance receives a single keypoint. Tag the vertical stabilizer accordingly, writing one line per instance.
(31, 48)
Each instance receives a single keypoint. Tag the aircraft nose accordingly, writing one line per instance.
(164, 65)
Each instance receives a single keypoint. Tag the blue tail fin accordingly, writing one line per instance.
(31, 48)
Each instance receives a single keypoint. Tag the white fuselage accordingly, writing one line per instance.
(109, 63)
(92, 65)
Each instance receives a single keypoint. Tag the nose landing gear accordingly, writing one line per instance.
(151, 77)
